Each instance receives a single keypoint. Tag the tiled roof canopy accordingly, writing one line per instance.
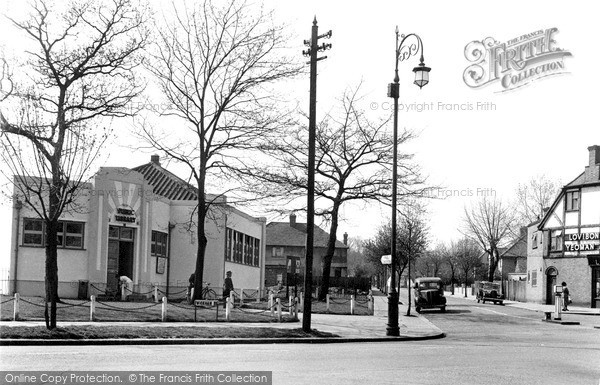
(167, 184)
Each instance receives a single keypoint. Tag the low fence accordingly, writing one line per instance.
(515, 290)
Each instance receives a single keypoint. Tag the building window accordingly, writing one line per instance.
(277, 252)
(572, 200)
(242, 248)
(158, 247)
(556, 240)
(534, 278)
(69, 234)
(534, 240)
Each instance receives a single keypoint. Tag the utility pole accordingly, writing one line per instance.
(314, 48)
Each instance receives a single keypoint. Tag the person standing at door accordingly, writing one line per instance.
(566, 296)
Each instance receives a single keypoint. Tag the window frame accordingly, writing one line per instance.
(61, 234)
(241, 248)
(556, 240)
(571, 197)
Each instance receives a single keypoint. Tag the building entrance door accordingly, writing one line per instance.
(551, 274)
(120, 256)
(596, 287)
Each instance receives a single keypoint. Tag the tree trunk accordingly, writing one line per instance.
(51, 273)
(328, 257)
(493, 265)
(201, 250)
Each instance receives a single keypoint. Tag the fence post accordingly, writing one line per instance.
(302, 300)
(93, 308)
(164, 310)
(327, 302)
(232, 299)
(16, 308)
(227, 309)
(343, 292)
(155, 294)
(257, 294)
(278, 309)
(371, 305)
(291, 303)
(296, 308)
(241, 297)
(271, 304)
(352, 304)
(316, 291)
(123, 294)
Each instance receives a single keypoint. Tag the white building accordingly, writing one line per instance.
(138, 223)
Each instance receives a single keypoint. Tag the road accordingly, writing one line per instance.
(485, 344)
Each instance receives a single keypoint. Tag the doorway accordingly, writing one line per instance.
(120, 256)
(596, 287)
(551, 274)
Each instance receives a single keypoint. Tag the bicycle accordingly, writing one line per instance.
(207, 292)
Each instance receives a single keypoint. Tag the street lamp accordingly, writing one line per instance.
(403, 52)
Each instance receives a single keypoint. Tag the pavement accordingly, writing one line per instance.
(348, 328)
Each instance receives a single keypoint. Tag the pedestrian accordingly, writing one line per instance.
(227, 285)
(566, 296)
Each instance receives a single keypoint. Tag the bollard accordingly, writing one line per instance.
(278, 310)
(93, 308)
(164, 310)
(271, 304)
(16, 308)
(123, 294)
(155, 294)
(232, 299)
(241, 297)
(371, 305)
(228, 309)
(257, 294)
(343, 292)
(291, 304)
(352, 304)
(317, 291)
(327, 300)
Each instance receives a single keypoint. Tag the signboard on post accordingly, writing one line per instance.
(386, 259)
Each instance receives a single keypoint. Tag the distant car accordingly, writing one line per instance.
(490, 291)
(429, 294)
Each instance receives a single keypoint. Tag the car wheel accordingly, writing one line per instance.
(484, 301)
(418, 309)
(478, 300)
(443, 309)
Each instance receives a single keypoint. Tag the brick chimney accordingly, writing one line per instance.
(292, 219)
(592, 170)
(155, 159)
(346, 239)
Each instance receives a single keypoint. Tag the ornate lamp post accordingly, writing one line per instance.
(403, 52)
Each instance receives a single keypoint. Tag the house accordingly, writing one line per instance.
(513, 259)
(571, 234)
(286, 253)
(138, 223)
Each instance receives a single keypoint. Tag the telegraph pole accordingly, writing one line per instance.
(314, 48)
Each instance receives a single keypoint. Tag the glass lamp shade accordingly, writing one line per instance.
(421, 75)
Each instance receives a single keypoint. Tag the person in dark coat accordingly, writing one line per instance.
(227, 285)
(566, 296)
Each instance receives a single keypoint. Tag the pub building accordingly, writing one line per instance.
(569, 236)
(139, 223)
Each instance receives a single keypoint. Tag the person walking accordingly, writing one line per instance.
(566, 296)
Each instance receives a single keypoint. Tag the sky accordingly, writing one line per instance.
(472, 141)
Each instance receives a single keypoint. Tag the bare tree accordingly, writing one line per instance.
(466, 253)
(432, 261)
(79, 71)
(450, 258)
(489, 223)
(353, 163)
(213, 64)
(533, 197)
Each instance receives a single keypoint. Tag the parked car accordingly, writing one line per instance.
(490, 291)
(429, 294)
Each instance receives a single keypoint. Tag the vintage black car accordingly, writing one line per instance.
(489, 291)
(429, 294)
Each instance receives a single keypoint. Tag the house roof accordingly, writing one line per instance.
(285, 234)
(517, 250)
(167, 184)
